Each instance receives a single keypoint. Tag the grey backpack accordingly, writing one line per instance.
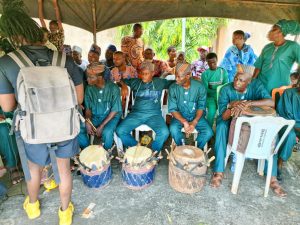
(47, 101)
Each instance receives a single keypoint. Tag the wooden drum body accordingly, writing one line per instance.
(138, 170)
(187, 169)
(95, 167)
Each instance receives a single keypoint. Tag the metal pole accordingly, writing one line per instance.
(94, 21)
(183, 34)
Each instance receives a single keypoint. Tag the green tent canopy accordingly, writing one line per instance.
(111, 13)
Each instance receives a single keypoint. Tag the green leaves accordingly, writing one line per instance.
(161, 34)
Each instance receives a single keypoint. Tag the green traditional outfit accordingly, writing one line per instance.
(211, 79)
(8, 145)
(102, 101)
(289, 108)
(275, 62)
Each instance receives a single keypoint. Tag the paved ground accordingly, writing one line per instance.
(161, 205)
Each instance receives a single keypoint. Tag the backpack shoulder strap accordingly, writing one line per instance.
(59, 59)
(20, 58)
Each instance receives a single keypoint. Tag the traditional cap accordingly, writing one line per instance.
(203, 48)
(289, 27)
(112, 48)
(77, 49)
(181, 53)
(95, 68)
(245, 69)
(147, 65)
(183, 68)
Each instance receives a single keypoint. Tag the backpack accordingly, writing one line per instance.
(47, 111)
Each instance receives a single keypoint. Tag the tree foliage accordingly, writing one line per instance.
(161, 34)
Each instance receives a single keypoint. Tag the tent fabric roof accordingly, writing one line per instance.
(111, 13)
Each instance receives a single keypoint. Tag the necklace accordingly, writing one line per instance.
(240, 96)
(153, 88)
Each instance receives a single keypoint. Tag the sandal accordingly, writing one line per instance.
(216, 180)
(277, 189)
(2, 171)
(15, 175)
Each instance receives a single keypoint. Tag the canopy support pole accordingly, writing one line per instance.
(183, 34)
(94, 22)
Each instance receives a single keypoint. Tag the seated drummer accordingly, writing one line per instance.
(187, 103)
(102, 107)
(289, 108)
(235, 97)
(146, 109)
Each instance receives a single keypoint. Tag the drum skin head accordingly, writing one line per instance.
(188, 153)
(137, 154)
(259, 111)
(94, 155)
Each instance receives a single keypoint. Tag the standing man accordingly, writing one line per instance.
(238, 53)
(199, 66)
(187, 103)
(29, 36)
(133, 46)
(273, 66)
(56, 35)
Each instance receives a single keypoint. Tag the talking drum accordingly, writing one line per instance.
(138, 168)
(245, 129)
(187, 169)
(95, 167)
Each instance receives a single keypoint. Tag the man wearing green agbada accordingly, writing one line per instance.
(274, 64)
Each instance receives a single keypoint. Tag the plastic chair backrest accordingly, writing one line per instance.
(279, 90)
(218, 90)
(161, 98)
(263, 130)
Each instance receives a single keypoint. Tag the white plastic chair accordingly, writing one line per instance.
(145, 127)
(263, 131)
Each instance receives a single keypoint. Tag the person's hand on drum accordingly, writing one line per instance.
(99, 130)
(186, 127)
(89, 129)
(233, 104)
(191, 127)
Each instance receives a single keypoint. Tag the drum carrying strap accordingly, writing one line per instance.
(195, 165)
(52, 148)
(23, 157)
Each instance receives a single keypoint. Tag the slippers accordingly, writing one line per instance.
(216, 180)
(3, 171)
(16, 176)
(277, 189)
